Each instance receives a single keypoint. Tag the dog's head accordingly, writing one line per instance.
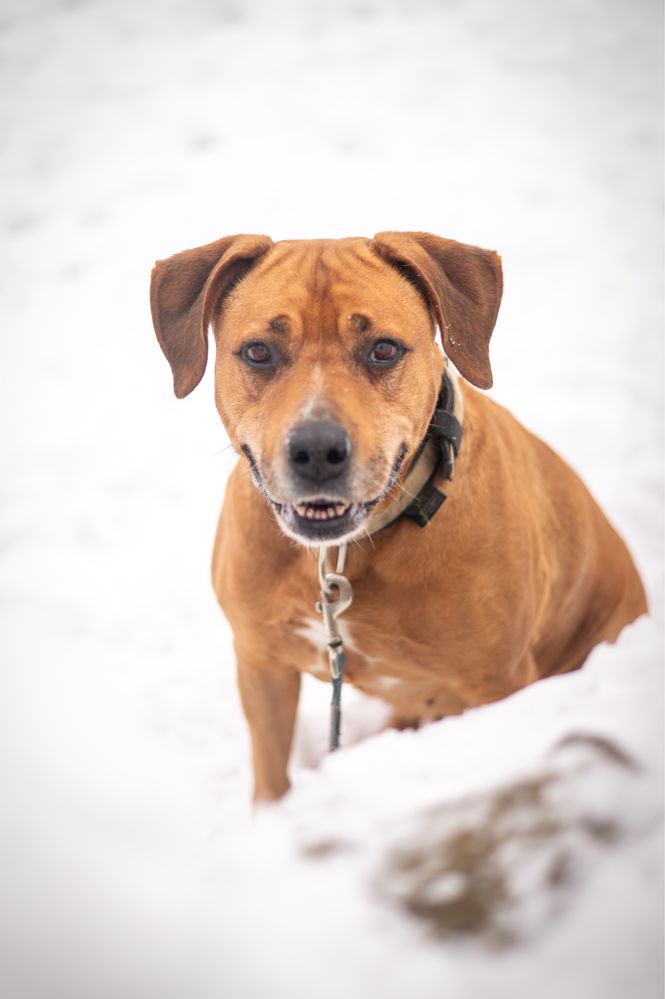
(327, 369)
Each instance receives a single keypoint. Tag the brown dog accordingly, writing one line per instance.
(327, 379)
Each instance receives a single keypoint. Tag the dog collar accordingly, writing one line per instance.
(420, 499)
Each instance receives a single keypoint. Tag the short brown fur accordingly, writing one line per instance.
(517, 577)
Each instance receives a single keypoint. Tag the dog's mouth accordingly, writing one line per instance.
(323, 519)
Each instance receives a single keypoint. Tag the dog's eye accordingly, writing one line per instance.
(258, 355)
(385, 352)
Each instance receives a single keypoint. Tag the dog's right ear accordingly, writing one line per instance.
(184, 291)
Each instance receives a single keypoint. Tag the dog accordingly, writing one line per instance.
(481, 561)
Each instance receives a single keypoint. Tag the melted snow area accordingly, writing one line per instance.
(515, 850)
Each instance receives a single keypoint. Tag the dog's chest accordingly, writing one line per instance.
(379, 666)
(360, 665)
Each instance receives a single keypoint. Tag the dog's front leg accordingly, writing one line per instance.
(269, 696)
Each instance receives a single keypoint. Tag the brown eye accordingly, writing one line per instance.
(258, 355)
(385, 352)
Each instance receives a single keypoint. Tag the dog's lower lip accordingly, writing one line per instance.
(322, 520)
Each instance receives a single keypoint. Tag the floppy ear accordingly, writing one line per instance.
(462, 285)
(184, 291)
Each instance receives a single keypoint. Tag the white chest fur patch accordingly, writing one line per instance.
(314, 633)
(387, 682)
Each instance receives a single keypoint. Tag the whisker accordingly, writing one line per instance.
(226, 447)
(406, 491)
(356, 542)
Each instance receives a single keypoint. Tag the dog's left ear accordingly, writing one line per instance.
(463, 286)
(186, 289)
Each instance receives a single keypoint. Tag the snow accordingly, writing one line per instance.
(132, 863)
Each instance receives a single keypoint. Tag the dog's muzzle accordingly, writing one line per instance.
(322, 504)
(318, 454)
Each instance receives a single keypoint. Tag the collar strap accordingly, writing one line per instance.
(420, 499)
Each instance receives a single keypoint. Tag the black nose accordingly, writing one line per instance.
(318, 450)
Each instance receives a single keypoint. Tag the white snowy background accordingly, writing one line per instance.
(515, 850)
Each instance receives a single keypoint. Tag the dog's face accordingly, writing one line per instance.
(327, 370)
(327, 373)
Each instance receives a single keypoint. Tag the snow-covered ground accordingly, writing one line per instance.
(515, 850)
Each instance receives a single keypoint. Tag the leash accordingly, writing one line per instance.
(336, 597)
(419, 501)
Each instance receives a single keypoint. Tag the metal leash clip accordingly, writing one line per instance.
(336, 597)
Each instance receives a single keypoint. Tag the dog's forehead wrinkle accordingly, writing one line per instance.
(359, 322)
(316, 263)
(279, 324)
(325, 291)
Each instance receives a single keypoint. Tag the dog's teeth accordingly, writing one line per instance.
(310, 511)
